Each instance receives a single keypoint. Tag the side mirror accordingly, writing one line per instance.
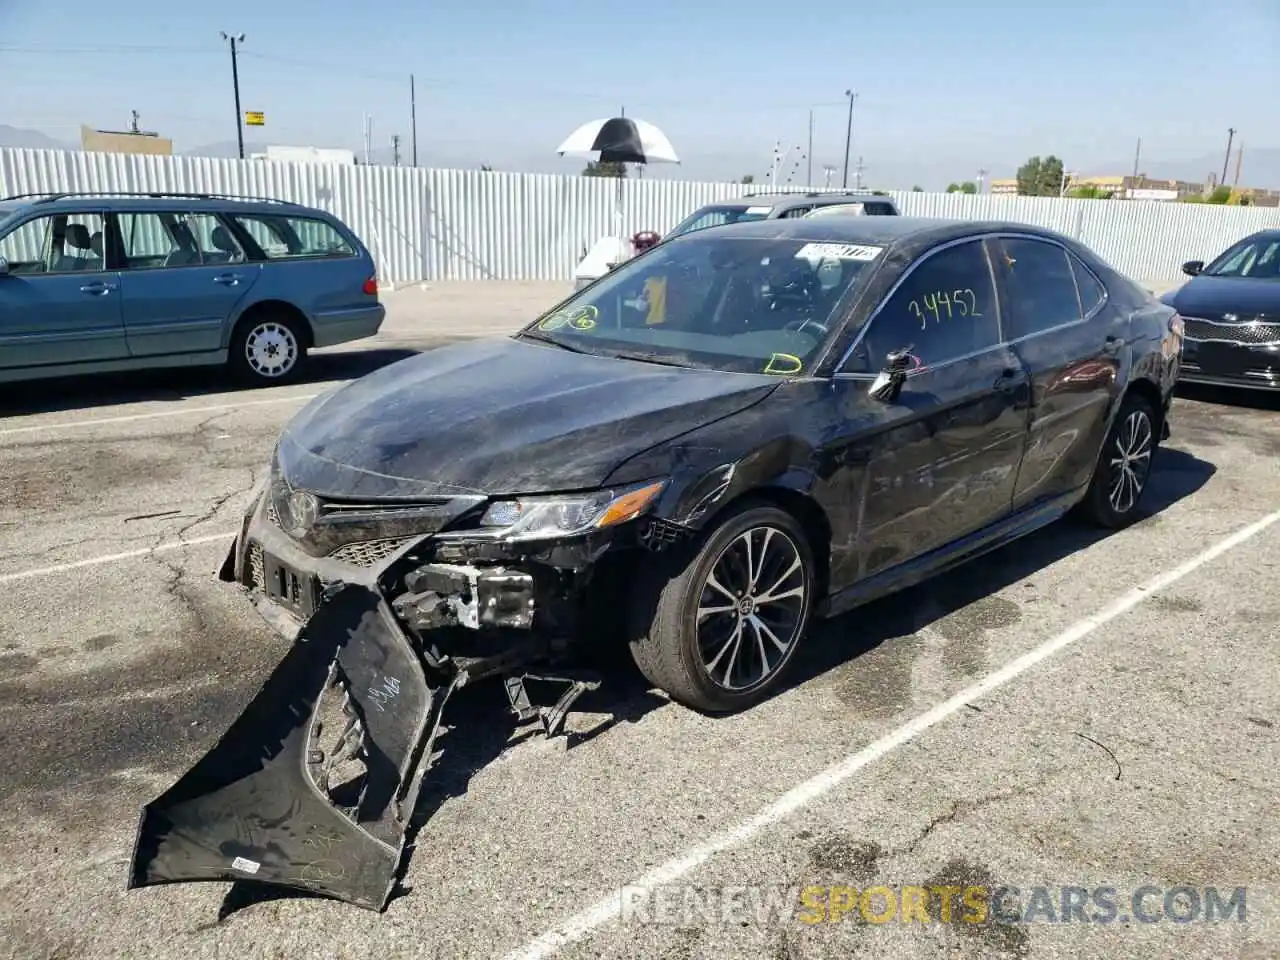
(4, 267)
(1192, 268)
(888, 384)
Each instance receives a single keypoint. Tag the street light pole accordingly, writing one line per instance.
(848, 135)
(235, 80)
(1231, 135)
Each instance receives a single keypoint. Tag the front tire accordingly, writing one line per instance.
(719, 634)
(1124, 466)
(267, 349)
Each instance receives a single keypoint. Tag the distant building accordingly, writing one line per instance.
(306, 155)
(1004, 186)
(125, 141)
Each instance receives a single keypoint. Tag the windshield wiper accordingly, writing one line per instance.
(650, 358)
(543, 338)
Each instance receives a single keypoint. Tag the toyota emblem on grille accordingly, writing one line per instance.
(300, 512)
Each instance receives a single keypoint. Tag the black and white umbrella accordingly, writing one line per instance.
(620, 140)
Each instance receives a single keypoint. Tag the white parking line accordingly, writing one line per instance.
(609, 907)
(180, 412)
(113, 557)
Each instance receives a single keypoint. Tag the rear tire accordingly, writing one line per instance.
(266, 349)
(1124, 466)
(716, 635)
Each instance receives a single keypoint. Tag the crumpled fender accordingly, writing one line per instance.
(255, 807)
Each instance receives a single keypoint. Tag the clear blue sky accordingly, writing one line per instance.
(944, 86)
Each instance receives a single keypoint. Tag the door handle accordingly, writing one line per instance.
(97, 289)
(227, 279)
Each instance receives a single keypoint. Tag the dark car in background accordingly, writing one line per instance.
(776, 206)
(729, 435)
(1231, 309)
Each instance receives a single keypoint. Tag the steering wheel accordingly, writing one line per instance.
(798, 325)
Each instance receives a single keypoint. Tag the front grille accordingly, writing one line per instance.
(1249, 333)
(368, 553)
(257, 570)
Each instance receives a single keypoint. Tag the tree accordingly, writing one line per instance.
(1221, 194)
(1192, 198)
(1040, 177)
(486, 168)
(748, 178)
(1090, 193)
(967, 187)
(609, 168)
(917, 189)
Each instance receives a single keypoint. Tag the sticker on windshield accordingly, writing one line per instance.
(783, 363)
(838, 251)
(751, 211)
(579, 318)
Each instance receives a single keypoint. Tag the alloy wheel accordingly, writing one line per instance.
(271, 349)
(1130, 461)
(751, 608)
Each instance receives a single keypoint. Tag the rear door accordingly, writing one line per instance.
(58, 303)
(1058, 321)
(942, 461)
(184, 275)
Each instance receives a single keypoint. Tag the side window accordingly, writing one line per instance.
(945, 309)
(25, 248)
(65, 243)
(1092, 293)
(149, 242)
(1040, 285)
(212, 238)
(795, 212)
(285, 238)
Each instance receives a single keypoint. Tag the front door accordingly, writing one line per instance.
(58, 302)
(1069, 338)
(184, 275)
(939, 461)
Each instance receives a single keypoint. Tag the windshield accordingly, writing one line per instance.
(751, 305)
(1255, 257)
(715, 216)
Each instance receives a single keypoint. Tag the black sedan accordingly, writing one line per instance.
(1231, 309)
(728, 436)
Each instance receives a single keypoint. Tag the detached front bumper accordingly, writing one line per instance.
(314, 786)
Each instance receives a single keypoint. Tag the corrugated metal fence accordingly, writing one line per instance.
(424, 224)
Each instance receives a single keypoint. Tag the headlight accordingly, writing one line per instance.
(537, 517)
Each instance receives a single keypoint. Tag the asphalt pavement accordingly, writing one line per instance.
(1073, 711)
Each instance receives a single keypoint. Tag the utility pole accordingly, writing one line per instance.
(413, 119)
(858, 175)
(1235, 182)
(828, 172)
(1137, 158)
(395, 150)
(235, 81)
(808, 180)
(982, 179)
(133, 122)
(1231, 135)
(368, 139)
(848, 135)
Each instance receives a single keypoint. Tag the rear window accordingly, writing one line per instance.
(290, 238)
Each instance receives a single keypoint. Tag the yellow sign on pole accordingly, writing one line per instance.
(255, 118)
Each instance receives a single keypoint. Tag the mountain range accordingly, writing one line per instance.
(1261, 166)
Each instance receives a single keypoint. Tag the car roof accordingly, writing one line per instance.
(878, 230)
(147, 201)
(799, 199)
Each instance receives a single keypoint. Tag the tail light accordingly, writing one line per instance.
(371, 286)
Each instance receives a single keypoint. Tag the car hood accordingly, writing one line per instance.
(499, 416)
(1211, 297)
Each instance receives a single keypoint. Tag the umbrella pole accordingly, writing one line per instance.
(618, 203)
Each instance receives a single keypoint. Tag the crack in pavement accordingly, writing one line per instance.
(963, 808)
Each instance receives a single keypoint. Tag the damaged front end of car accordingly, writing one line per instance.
(315, 785)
